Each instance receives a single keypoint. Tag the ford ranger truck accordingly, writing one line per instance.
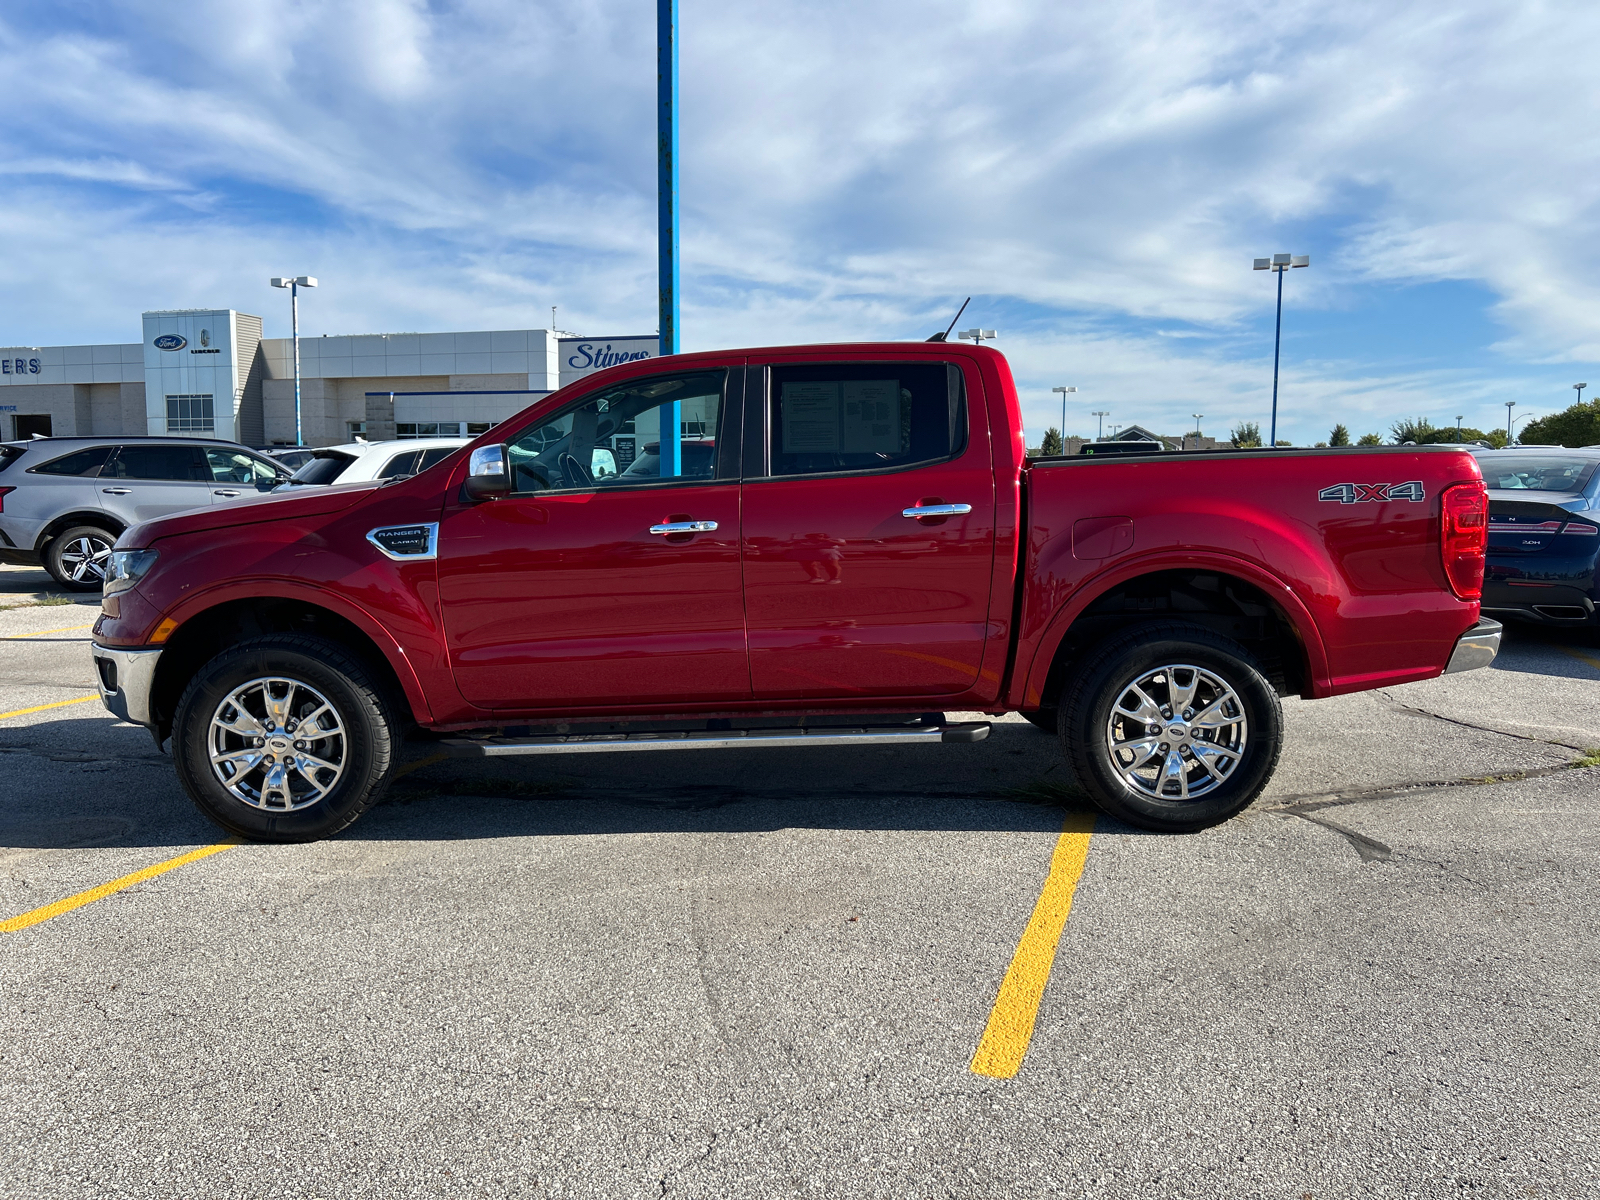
(806, 546)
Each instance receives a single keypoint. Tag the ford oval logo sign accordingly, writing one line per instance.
(171, 341)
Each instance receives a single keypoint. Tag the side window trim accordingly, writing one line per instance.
(760, 401)
(732, 385)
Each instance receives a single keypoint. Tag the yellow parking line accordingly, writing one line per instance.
(22, 712)
(107, 889)
(47, 632)
(44, 913)
(1581, 656)
(1010, 1029)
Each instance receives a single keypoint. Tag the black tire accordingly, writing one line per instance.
(77, 558)
(1047, 719)
(367, 748)
(1108, 677)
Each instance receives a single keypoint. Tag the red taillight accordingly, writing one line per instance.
(4, 491)
(1464, 536)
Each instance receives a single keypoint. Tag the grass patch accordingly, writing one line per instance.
(1053, 792)
(1589, 758)
(47, 602)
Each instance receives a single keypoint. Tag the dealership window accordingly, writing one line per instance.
(427, 429)
(865, 417)
(191, 413)
(474, 428)
(357, 429)
(583, 447)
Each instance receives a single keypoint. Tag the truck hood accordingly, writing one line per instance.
(254, 510)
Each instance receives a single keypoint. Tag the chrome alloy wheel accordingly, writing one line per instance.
(277, 744)
(85, 559)
(1176, 732)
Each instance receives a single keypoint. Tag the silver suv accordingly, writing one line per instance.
(64, 500)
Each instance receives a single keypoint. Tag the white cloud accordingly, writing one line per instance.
(1101, 172)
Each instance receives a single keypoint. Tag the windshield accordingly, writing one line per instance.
(1541, 472)
(323, 469)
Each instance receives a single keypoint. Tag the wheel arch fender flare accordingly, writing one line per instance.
(59, 525)
(1032, 684)
(280, 589)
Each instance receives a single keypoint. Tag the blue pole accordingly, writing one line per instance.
(1277, 341)
(667, 202)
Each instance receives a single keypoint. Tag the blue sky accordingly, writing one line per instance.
(1097, 175)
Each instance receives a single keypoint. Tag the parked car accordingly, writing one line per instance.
(290, 458)
(64, 500)
(1544, 534)
(359, 462)
(865, 545)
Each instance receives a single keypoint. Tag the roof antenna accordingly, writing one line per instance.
(945, 336)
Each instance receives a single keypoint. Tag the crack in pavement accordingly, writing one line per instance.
(1423, 712)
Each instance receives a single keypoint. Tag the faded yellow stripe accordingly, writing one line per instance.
(46, 632)
(1581, 656)
(1010, 1029)
(22, 712)
(108, 889)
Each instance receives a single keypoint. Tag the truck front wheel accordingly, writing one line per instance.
(1173, 728)
(284, 739)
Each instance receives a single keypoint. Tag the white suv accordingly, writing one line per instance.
(359, 462)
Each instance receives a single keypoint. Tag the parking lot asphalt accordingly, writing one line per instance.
(754, 974)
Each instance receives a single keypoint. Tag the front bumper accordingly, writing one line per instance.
(126, 678)
(1476, 647)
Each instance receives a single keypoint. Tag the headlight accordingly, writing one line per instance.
(126, 569)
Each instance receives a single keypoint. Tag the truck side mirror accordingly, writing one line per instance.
(487, 477)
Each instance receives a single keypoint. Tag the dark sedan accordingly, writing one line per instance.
(1544, 534)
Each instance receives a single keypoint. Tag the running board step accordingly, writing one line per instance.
(722, 739)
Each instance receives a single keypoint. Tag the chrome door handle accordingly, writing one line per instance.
(684, 527)
(223, 493)
(938, 510)
(116, 491)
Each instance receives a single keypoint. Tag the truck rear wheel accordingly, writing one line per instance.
(1172, 727)
(284, 739)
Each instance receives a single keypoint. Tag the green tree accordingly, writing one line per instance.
(1416, 429)
(1246, 436)
(1282, 442)
(1339, 437)
(1496, 438)
(1052, 442)
(1369, 439)
(1577, 426)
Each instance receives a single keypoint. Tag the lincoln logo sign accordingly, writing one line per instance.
(1357, 493)
(590, 355)
(170, 341)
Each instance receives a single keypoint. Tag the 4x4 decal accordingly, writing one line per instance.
(1355, 493)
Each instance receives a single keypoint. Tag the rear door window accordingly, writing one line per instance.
(437, 454)
(324, 468)
(400, 464)
(82, 462)
(848, 417)
(172, 463)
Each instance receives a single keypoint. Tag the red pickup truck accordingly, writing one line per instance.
(803, 546)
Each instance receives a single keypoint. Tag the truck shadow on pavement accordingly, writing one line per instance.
(118, 791)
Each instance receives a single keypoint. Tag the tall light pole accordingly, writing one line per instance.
(1580, 387)
(978, 336)
(1279, 263)
(294, 285)
(1510, 404)
(1458, 425)
(1100, 434)
(1197, 417)
(671, 448)
(1065, 391)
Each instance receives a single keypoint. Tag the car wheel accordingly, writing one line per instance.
(284, 739)
(1172, 727)
(1047, 719)
(78, 558)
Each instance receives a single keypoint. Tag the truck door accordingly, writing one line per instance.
(589, 587)
(848, 591)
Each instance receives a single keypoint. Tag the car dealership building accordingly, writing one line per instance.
(209, 372)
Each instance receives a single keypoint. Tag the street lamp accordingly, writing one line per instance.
(1279, 263)
(1064, 391)
(1458, 425)
(978, 336)
(294, 285)
(1510, 404)
(1580, 387)
(1197, 417)
(1100, 434)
